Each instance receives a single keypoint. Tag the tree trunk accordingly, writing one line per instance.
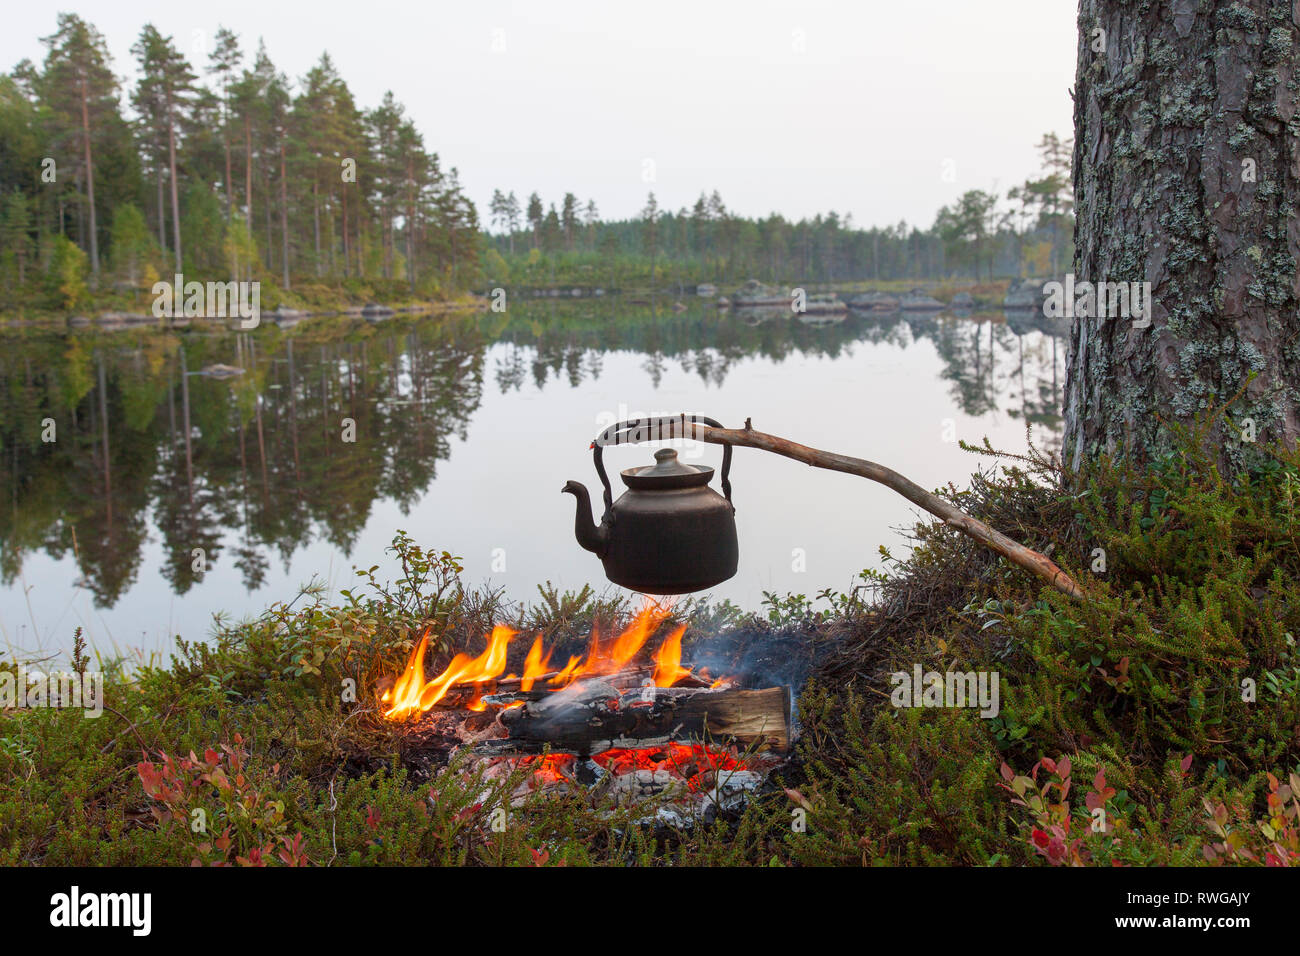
(225, 141)
(248, 178)
(266, 208)
(176, 202)
(284, 216)
(346, 252)
(162, 211)
(410, 225)
(90, 182)
(1187, 176)
(315, 219)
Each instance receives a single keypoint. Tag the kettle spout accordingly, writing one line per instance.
(594, 539)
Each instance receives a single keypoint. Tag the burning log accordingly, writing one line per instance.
(593, 716)
(508, 690)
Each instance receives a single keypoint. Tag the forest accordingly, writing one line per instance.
(225, 168)
(982, 235)
(229, 169)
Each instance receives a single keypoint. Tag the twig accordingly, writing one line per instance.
(333, 823)
(143, 746)
(1032, 561)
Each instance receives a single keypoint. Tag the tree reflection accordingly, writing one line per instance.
(334, 415)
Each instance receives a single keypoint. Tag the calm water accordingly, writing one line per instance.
(466, 428)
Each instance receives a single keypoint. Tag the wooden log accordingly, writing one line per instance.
(1032, 561)
(593, 716)
(506, 690)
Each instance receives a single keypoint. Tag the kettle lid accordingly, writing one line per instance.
(666, 473)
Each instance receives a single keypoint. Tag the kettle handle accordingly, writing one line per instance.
(654, 429)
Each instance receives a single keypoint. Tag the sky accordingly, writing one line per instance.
(882, 109)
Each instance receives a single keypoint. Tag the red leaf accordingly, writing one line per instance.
(1056, 850)
(468, 813)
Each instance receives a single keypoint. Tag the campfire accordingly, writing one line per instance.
(617, 719)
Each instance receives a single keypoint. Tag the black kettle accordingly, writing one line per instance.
(669, 533)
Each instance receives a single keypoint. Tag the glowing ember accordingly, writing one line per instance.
(550, 768)
(698, 766)
(683, 760)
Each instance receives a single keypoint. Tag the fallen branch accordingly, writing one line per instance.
(1032, 561)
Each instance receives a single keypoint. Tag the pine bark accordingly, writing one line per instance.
(1187, 175)
(284, 217)
(90, 179)
(176, 202)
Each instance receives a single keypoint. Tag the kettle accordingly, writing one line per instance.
(669, 532)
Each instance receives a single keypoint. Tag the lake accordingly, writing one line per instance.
(465, 428)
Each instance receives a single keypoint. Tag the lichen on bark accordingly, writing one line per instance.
(1187, 175)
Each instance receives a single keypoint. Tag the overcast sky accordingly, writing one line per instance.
(859, 106)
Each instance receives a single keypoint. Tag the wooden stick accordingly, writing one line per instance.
(1032, 561)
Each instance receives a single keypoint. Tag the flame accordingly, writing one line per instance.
(535, 665)
(668, 662)
(566, 675)
(412, 694)
(406, 690)
(610, 658)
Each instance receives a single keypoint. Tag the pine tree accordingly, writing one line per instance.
(222, 64)
(165, 87)
(569, 218)
(15, 234)
(513, 212)
(130, 245)
(80, 90)
(650, 231)
(535, 217)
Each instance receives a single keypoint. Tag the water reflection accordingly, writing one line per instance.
(114, 440)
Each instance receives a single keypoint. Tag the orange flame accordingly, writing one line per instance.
(668, 662)
(610, 658)
(566, 675)
(535, 665)
(412, 694)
